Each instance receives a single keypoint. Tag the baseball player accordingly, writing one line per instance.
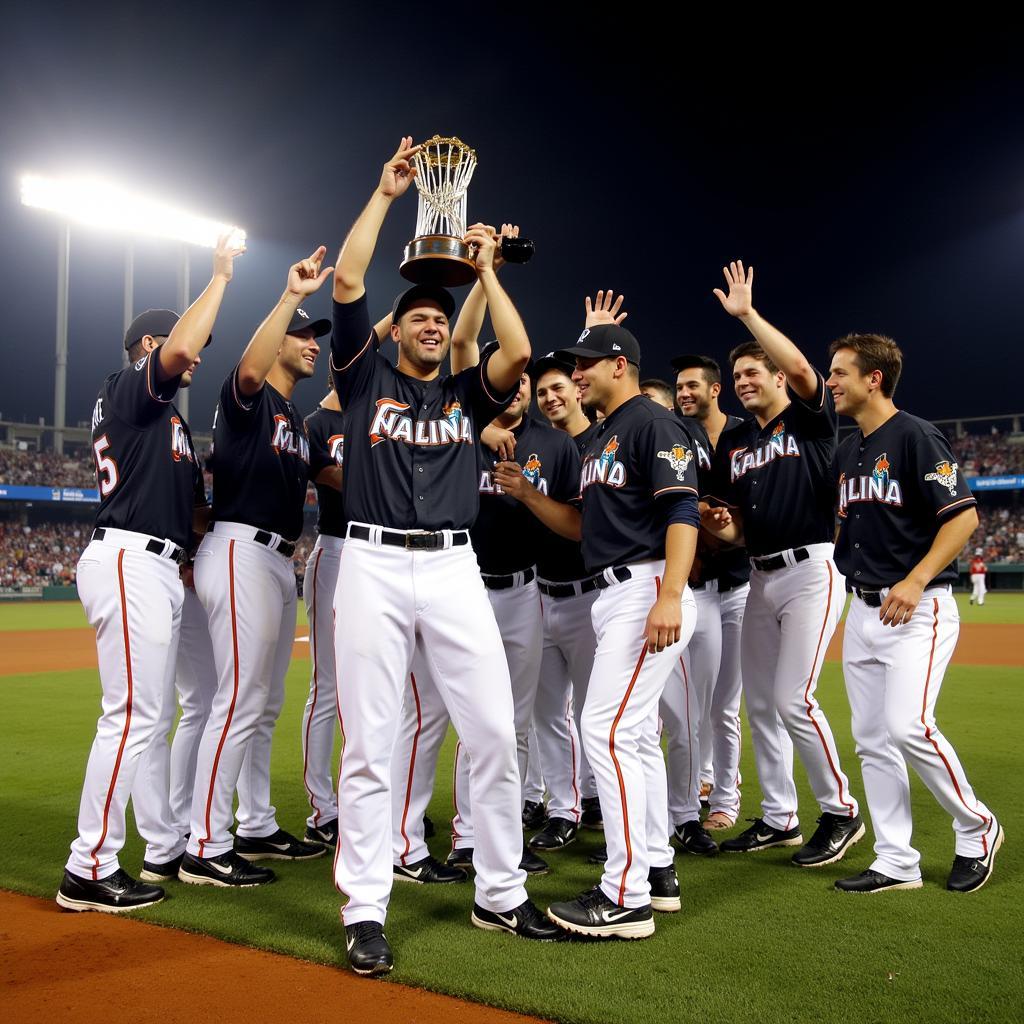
(720, 587)
(128, 580)
(905, 513)
(978, 568)
(773, 474)
(639, 522)
(658, 391)
(245, 580)
(409, 578)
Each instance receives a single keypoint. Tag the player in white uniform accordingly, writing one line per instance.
(905, 513)
(977, 571)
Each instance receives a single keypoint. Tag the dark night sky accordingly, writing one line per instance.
(876, 182)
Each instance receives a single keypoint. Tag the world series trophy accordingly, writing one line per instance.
(438, 255)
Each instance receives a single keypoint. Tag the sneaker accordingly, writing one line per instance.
(526, 921)
(691, 838)
(533, 865)
(593, 914)
(533, 815)
(832, 838)
(368, 949)
(599, 855)
(429, 871)
(111, 895)
(970, 873)
(874, 881)
(590, 816)
(463, 858)
(279, 845)
(166, 872)
(664, 890)
(705, 794)
(428, 828)
(227, 870)
(718, 821)
(326, 834)
(556, 834)
(761, 837)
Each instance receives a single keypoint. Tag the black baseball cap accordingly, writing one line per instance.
(411, 296)
(157, 323)
(301, 322)
(605, 341)
(552, 361)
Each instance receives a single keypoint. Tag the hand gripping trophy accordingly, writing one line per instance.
(438, 255)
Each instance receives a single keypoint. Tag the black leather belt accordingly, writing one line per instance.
(285, 547)
(564, 589)
(599, 582)
(872, 598)
(778, 561)
(509, 580)
(411, 541)
(723, 588)
(157, 547)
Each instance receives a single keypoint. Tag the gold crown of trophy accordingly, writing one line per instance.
(438, 255)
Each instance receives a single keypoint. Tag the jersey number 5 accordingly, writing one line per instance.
(106, 467)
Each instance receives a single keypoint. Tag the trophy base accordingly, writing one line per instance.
(438, 260)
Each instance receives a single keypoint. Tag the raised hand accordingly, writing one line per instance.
(507, 231)
(229, 245)
(483, 242)
(604, 309)
(739, 301)
(305, 277)
(398, 173)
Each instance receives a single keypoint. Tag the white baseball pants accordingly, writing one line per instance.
(680, 713)
(978, 589)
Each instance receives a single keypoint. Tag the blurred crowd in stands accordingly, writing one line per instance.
(1000, 536)
(992, 454)
(46, 469)
(41, 555)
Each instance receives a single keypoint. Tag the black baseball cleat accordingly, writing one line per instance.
(761, 837)
(368, 949)
(463, 858)
(428, 828)
(227, 870)
(166, 872)
(691, 837)
(590, 813)
(664, 890)
(526, 921)
(429, 871)
(593, 914)
(874, 881)
(533, 865)
(556, 834)
(326, 833)
(533, 815)
(970, 873)
(599, 855)
(832, 838)
(279, 845)
(114, 894)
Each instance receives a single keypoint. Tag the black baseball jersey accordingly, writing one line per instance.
(780, 475)
(637, 454)
(897, 486)
(506, 536)
(411, 460)
(148, 475)
(260, 460)
(325, 429)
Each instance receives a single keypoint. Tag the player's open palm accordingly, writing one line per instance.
(305, 277)
(740, 300)
(399, 173)
(229, 245)
(605, 309)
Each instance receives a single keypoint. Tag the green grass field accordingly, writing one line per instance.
(757, 939)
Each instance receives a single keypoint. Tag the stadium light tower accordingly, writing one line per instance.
(109, 206)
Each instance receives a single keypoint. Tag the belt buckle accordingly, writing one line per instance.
(409, 534)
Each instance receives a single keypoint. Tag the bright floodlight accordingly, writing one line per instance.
(107, 205)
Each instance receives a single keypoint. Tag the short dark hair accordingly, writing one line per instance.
(752, 349)
(712, 371)
(656, 384)
(874, 352)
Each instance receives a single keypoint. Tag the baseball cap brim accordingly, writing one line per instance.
(420, 292)
(318, 327)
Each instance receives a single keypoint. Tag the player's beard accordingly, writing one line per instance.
(425, 359)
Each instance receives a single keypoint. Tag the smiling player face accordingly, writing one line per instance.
(298, 354)
(557, 397)
(423, 335)
(756, 386)
(850, 388)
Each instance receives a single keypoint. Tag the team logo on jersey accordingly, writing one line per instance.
(180, 447)
(879, 488)
(882, 467)
(286, 439)
(531, 469)
(97, 413)
(605, 469)
(944, 475)
(679, 458)
(336, 448)
(391, 422)
(779, 445)
(780, 429)
(703, 456)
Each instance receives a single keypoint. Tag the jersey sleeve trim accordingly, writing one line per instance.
(969, 500)
(237, 395)
(674, 490)
(486, 384)
(356, 357)
(149, 381)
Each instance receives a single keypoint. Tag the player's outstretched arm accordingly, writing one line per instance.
(904, 597)
(189, 334)
(506, 366)
(604, 309)
(802, 377)
(465, 350)
(304, 278)
(564, 519)
(665, 619)
(356, 253)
